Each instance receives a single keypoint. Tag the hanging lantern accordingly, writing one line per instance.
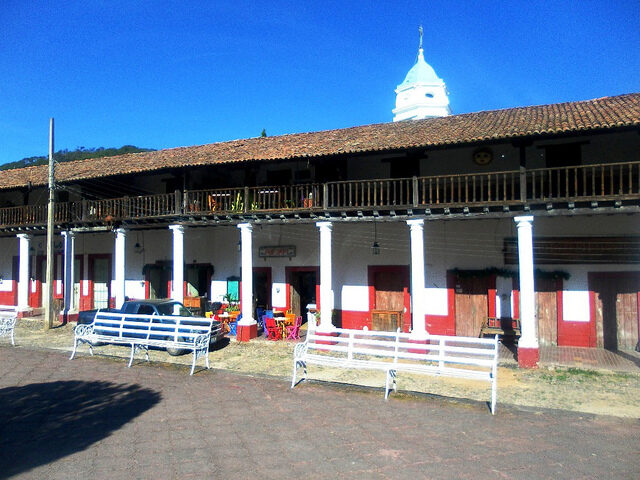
(375, 248)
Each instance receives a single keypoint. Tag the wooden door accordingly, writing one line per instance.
(294, 297)
(547, 310)
(302, 288)
(389, 298)
(616, 309)
(389, 291)
(471, 304)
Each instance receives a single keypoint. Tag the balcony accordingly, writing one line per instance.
(563, 187)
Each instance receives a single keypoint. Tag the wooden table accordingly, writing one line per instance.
(282, 322)
(225, 318)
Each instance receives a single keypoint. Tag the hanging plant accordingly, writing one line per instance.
(555, 274)
(503, 272)
(487, 272)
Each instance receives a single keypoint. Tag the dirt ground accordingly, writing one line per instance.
(587, 391)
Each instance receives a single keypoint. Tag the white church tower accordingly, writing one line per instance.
(422, 94)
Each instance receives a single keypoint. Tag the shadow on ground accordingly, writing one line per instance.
(629, 357)
(42, 422)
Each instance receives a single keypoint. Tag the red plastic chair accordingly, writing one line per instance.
(293, 331)
(273, 331)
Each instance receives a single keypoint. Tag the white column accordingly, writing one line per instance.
(177, 282)
(69, 253)
(528, 321)
(418, 328)
(23, 274)
(326, 291)
(121, 237)
(247, 274)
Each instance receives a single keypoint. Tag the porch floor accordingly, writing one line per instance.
(580, 357)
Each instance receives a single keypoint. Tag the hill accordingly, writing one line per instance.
(80, 153)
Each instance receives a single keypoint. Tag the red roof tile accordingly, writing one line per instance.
(601, 113)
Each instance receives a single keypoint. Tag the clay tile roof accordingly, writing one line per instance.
(601, 113)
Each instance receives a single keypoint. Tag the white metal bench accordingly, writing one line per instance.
(393, 352)
(143, 331)
(8, 319)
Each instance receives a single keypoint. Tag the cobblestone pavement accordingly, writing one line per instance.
(95, 418)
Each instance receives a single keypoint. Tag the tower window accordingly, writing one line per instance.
(428, 95)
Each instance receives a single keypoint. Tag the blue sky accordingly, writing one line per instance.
(162, 74)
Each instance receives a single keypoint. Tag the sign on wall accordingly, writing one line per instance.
(277, 251)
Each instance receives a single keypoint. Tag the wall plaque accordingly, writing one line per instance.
(277, 251)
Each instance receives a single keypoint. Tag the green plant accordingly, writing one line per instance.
(232, 303)
(238, 204)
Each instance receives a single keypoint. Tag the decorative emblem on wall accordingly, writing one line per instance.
(483, 156)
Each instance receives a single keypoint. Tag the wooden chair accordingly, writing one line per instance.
(273, 330)
(293, 331)
(505, 327)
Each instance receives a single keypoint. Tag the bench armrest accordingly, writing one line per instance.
(7, 322)
(202, 341)
(300, 350)
(83, 330)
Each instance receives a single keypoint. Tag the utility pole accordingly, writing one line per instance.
(48, 309)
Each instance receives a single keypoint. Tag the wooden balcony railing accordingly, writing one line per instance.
(588, 182)
(146, 206)
(253, 199)
(469, 189)
(27, 215)
(606, 182)
(370, 193)
(220, 200)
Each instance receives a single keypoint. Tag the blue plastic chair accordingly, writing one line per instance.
(233, 327)
(263, 321)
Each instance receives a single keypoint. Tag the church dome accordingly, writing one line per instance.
(421, 72)
(422, 94)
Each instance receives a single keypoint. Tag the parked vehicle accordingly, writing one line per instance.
(160, 307)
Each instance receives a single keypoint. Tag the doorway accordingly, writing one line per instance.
(471, 302)
(158, 276)
(547, 309)
(262, 287)
(198, 278)
(615, 309)
(389, 299)
(303, 289)
(77, 269)
(37, 283)
(100, 273)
